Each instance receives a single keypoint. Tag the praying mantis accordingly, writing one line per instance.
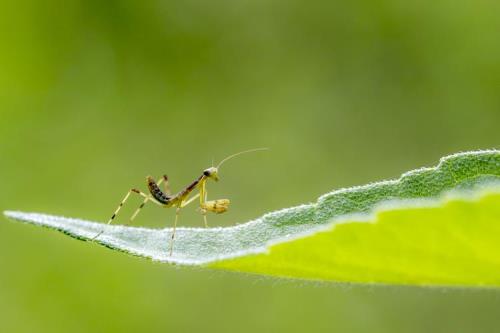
(181, 199)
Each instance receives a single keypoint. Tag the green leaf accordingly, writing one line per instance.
(404, 231)
(454, 242)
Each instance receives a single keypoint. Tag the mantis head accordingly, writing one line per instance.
(211, 173)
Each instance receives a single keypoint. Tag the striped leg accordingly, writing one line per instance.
(148, 198)
(120, 207)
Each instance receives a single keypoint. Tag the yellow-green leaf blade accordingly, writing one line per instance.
(456, 242)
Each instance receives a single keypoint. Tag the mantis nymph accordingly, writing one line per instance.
(180, 200)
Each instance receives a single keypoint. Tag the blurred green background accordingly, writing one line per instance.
(95, 95)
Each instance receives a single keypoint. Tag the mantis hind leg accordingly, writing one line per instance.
(142, 194)
(148, 198)
(120, 207)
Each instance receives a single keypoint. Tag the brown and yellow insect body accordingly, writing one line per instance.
(181, 199)
(156, 193)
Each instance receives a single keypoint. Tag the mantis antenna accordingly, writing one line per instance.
(240, 153)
